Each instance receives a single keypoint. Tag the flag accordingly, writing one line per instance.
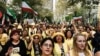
(27, 8)
(77, 18)
(11, 12)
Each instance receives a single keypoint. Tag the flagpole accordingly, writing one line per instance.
(9, 21)
(3, 20)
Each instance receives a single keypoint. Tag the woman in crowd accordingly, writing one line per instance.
(34, 45)
(60, 48)
(25, 37)
(47, 46)
(15, 46)
(69, 39)
(79, 46)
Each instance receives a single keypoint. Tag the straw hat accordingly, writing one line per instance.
(39, 35)
(47, 31)
(58, 33)
(15, 24)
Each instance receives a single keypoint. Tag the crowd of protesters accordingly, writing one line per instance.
(43, 39)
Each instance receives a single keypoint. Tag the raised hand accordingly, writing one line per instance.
(9, 51)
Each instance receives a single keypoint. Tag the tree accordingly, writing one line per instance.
(2, 7)
(2, 10)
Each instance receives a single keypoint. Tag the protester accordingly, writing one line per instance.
(69, 38)
(15, 46)
(79, 46)
(34, 45)
(47, 46)
(29, 36)
(25, 37)
(60, 48)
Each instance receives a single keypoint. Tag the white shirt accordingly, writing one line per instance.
(81, 54)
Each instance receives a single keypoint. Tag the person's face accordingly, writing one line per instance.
(33, 26)
(69, 34)
(81, 28)
(36, 40)
(16, 36)
(14, 29)
(47, 48)
(81, 42)
(38, 31)
(59, 38)
(24, 32)
(88, 30)
(79, 22)
(44, 27)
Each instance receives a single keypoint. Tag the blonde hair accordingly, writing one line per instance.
(75, 49)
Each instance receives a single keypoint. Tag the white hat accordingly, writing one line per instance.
(19, 27)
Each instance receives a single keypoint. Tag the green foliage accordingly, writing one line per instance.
(78, 12)
(74, 2)
(69, 17)
(2, 7)
(34, 4)
(17, 2)
(45, 12)
(49, 19)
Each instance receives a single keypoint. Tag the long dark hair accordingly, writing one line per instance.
(65, 33)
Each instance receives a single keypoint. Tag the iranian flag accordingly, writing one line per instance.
(77, 18)
(27, 8)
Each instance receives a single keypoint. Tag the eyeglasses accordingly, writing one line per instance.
(46, 45)
(36, 38)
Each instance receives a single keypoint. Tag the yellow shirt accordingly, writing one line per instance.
(57, 49)
(69, 43)
(90, 45)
